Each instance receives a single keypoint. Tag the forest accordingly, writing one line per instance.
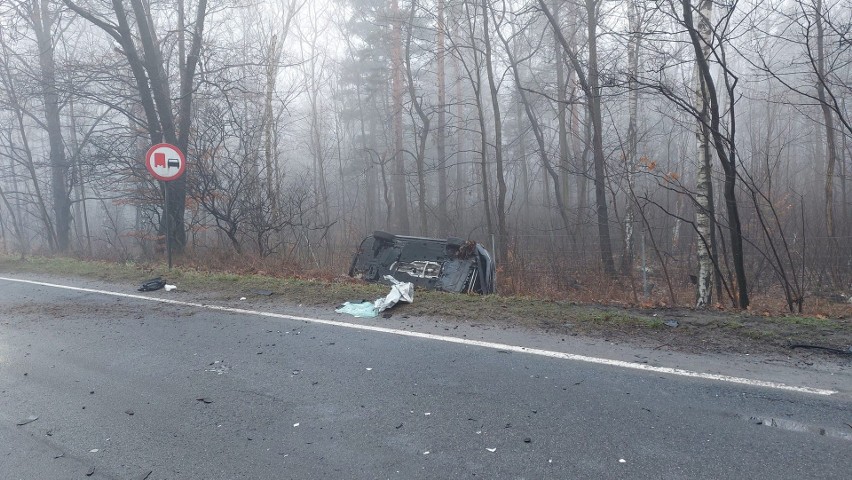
(671, 152)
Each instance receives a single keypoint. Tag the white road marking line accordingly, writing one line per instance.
(461, 341)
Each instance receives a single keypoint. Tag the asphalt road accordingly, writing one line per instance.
(125, 388)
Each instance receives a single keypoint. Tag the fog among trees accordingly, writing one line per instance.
(678, 152)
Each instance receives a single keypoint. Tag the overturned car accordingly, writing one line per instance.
(451, 265)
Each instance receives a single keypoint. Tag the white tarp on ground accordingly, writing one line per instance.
(400, 292)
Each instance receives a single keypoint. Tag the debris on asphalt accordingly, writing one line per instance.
(242, 298)
(90, 472)
(528, 440)
(671, 323)
(59, 456)
(145, 475)
(30, 419)
(169, 288)
(94, 450)
(400, 292)
(295, 425)
(204, 399)
(492, 450)
(129, 412)
(621, 460)
(152, 284)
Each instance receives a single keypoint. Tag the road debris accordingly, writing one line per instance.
(204, 399)
(152, 284)
(90, 472)
(492, 450)
(94, 450)
(671, 323)
(169, 288)
(357, 310)
(30, 419)
(129, 412)
(400, 292)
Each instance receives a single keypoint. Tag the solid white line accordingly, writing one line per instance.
(461, 341)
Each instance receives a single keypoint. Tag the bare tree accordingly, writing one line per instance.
(153, 86)
(591, 87)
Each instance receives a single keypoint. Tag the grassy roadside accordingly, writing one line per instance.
(678, 329)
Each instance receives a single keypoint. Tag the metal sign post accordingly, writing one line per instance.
(166, 162)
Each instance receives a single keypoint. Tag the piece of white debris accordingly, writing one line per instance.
(295, 424)
(427, 413)
(479, 432)
(621, 460)
(94, 450)
(492, 450)
(369, 368)
(242, 298)
(426, 452)
(169, 288)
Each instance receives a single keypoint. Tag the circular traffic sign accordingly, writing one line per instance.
(165, 162)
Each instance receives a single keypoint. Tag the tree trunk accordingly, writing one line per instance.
(443, 215)
(423, 135)
(591, 88)
(632, 133)
(705, 211)
(828, 120)
(400, 197)
(462, 166)
(561, 112)
(43, 25)
(502, 231)
(727, 156)
(597, 140)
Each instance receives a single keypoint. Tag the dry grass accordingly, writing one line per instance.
(590, 306)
